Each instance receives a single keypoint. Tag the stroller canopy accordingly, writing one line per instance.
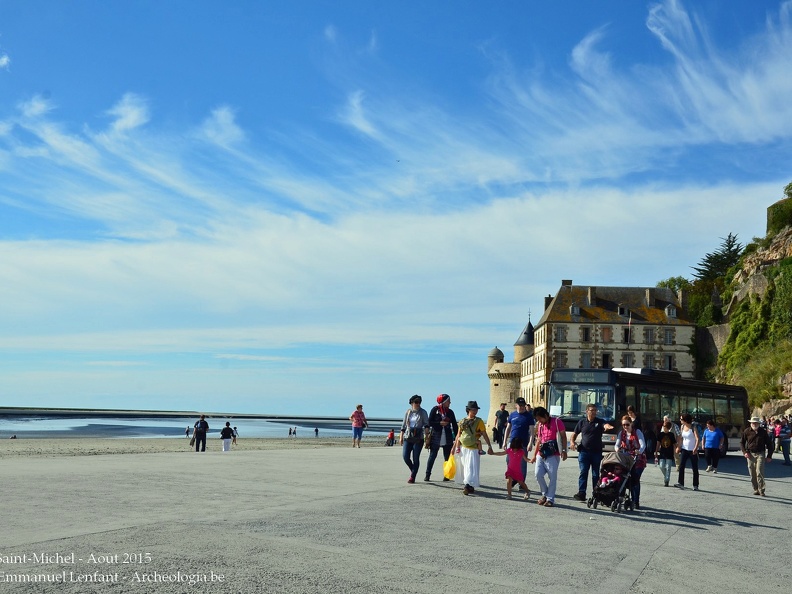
(624, 460)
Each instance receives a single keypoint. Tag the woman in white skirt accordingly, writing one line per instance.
(467, 444)
(227, 434)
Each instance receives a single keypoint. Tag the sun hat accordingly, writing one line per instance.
(755, 420)
(472, 404)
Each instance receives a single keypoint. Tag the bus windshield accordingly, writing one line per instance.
(568, 401)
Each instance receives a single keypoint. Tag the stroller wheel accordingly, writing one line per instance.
(590, 502)
(615, 506)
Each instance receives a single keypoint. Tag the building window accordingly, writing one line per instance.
(668, 362)
(649, 335)
(627, 335)
(607, 334)
(559, 334)
(585, 360)
(561, 360)
(648, 360)
(671, 311)
(628, 359)
(585, 334)
(623, 311)
(607, 358)
(574, 310)
(669, 336)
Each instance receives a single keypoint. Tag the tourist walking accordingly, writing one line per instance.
(754, 443)
(200, 429)
(520, 424)
(589, 451)
(630, 440)
(236, 434)
(687, 446)
(712, 439)
(414, 429)
(443, 426)
(664, 451)
(359, 423)
(227, 435)
(501, 419)
(467, 443)
(785, 438)
(548, 454)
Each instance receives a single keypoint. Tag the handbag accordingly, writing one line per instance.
(449, 468)
(414, 435)
(553, 446)
(192, 441)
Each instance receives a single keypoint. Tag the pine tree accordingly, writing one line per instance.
(715, 264)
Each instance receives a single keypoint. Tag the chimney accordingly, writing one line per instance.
(592, 296)
(566, 283)
(682, 297)
(650, 299)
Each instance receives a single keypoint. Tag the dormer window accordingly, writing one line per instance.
(574, 310)
(671, 311)
(623, 311)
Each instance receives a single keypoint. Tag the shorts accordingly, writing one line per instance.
(357, 432)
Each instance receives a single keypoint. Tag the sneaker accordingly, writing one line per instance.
(756, 492)
(678, 486)
(466, 490)
(411, 479)
(527, 496)
(637, 506)
(714, 471)
(709, 469)
(695, 488)
(446, 480)
(579, 496)
(426, 478)
(761, 494)
(666, 483)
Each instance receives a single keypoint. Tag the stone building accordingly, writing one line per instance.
(585, 327)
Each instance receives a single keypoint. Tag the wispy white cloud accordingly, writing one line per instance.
(5, 61)
(129, 113)
(35, 106)
(221, 127)
(331, 33)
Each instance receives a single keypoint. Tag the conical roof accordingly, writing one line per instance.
(527, 336)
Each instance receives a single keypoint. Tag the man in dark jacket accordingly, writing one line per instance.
(754, 443)
(443, 423)
(200, 429)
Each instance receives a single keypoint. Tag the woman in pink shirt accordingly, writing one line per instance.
(358, 424)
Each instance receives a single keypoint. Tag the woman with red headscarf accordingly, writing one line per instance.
(444, 426)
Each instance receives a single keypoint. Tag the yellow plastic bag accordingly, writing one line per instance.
(449, 468)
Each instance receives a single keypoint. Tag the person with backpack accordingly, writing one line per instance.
(414, 430)
(471, 430)
(200, 429)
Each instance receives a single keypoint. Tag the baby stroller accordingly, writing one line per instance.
(615, 483)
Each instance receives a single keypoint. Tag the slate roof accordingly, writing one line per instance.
(604, 307)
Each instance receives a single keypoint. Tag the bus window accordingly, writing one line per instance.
(669, 406)
(720, 412)
(704, 408)
(629, 398)
(687, 404)
(650, 408)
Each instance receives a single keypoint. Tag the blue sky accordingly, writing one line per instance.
(294, 207)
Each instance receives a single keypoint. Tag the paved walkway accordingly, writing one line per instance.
(345, 520)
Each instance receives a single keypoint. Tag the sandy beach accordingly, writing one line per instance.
(317, 516)
(61, 447)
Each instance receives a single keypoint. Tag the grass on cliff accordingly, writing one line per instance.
(761, 372)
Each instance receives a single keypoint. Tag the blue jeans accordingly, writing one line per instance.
(666, 464)
(586, 461)
(547, 467)
(411, 452)
(636, 484)
(785, 451)
(433, 450)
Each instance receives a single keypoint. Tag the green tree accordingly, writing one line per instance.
(715, 264)
(675, 283)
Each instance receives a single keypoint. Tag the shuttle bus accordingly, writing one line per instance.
(654, 393)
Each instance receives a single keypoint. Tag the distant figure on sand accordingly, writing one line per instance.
(236, 434)
(187, 432)
(391, 438)
(316, 431)
(294, 433)
(200, 430)
(359, 423)
(227, 435)
(289, 431)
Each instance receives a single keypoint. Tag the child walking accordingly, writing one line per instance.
(514, 473)
(664, 451)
